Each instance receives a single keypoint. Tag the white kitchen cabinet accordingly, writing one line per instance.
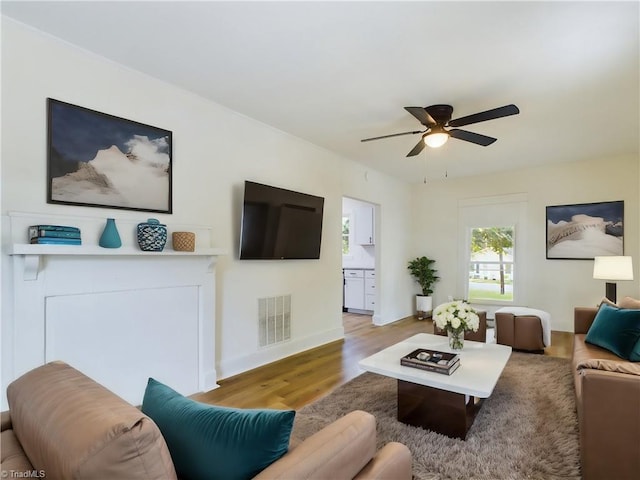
(359, 289)
(369, 290)
(365, 228)
(354, 289)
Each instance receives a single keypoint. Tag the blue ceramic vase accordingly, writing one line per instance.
(152, 235)
(110, 237)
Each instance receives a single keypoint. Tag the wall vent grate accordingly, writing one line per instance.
(274, 320)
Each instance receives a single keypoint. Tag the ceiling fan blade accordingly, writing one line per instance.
(417, 149)
(472, 137)
(393, 135)
(484, 116)
(422, 115)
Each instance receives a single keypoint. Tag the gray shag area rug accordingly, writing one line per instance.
(527, 429)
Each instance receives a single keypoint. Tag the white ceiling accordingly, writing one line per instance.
(334, 73)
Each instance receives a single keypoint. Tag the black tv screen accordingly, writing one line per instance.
(279, 224)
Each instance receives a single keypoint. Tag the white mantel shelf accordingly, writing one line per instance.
(29, 249)
(32, 254)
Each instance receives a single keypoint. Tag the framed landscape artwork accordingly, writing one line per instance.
(584, 231)
(99, 160)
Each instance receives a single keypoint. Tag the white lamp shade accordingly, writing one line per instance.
(613, 268)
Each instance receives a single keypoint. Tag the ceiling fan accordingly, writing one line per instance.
(436, 117)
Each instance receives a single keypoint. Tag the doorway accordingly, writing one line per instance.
(359, 257)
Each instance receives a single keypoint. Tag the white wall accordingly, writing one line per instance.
(556, 286)
(393, 223)
(214, 151)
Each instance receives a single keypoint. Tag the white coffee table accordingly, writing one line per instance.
(447, 404)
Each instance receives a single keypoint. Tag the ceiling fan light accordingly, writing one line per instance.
(436, 139)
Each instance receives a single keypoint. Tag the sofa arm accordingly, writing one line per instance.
(609, 424)
(339, 450)
(392, 461)
(5, 420)
(583, 317)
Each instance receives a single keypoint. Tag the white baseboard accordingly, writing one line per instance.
(360, 312)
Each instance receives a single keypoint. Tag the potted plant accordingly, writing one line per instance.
(421, 269)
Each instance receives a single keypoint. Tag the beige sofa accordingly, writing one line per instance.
(608, 402)
(63, 425)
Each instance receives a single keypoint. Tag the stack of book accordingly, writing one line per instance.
(432, 360)
(54, 235)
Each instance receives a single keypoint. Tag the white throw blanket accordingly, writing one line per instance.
(545, 319)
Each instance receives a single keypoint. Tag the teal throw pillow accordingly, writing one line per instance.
(213, 442)
(617, 330)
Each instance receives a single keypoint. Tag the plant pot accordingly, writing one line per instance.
(424, 306)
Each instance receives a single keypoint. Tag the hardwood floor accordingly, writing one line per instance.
(293, 382)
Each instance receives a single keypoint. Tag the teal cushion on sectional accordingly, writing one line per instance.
(617, 330)
(213, 442)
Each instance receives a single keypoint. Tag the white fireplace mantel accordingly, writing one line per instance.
(33, 254)
(118, 315)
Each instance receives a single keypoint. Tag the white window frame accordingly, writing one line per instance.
(483, 301)
(495, 211)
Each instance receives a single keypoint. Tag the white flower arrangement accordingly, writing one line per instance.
(456, 317)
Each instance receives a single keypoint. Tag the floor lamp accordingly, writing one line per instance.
(612, 268)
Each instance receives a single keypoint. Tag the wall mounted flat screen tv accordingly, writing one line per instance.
(279, 224)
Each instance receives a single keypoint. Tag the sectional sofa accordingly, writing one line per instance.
(607, 389)
(63, 425)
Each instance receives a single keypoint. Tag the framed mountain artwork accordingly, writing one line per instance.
(99, 160)
(584, 231)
